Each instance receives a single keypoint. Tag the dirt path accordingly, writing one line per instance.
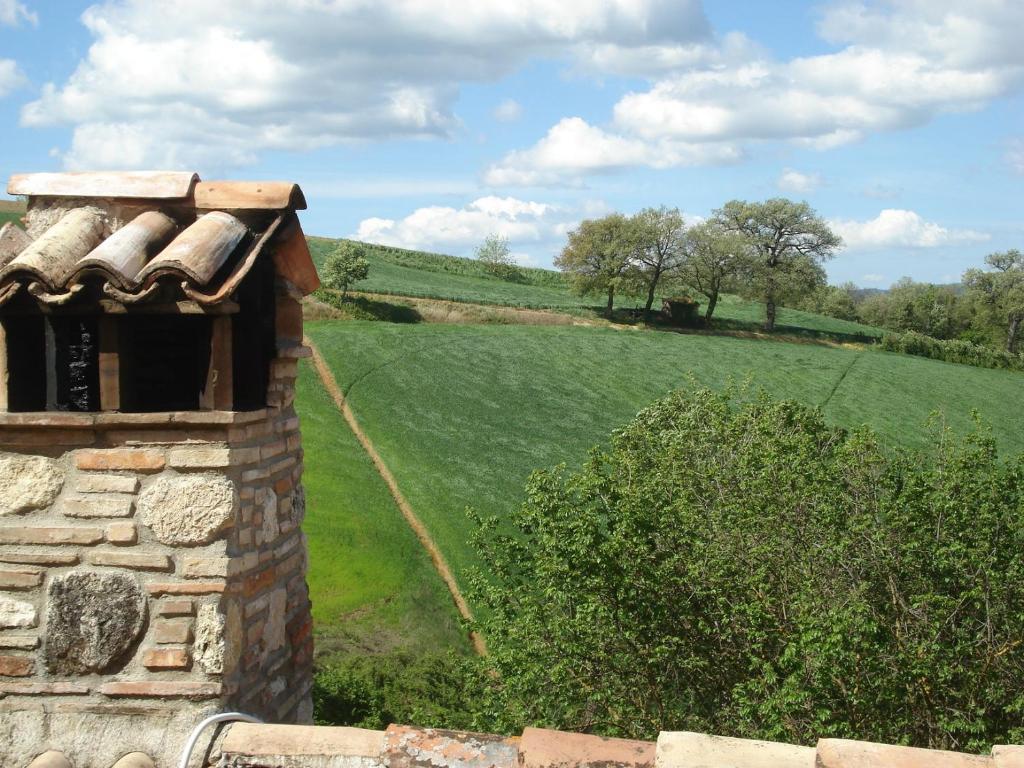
(440, 564)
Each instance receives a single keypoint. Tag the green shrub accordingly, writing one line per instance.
(951, 351)
(740, 567)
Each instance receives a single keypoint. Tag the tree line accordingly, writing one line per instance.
(771, 251)
(986, 308)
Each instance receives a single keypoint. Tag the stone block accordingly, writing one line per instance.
(98, 506)
(410, 747)
(200, 458)
(50, 535)
(92, 619)
(139, 561)
(199, 567)
(20, 578)
(684, 749)
(172, 632)
(16, 666)
(300, 745)
(165, 658)
(844, 753)
(17, 613)
(95, 483)
(112, 459)
(28, 483)
(1007, 756)
(542, 748)
(188, 510)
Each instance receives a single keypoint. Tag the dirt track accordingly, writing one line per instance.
(440, 564)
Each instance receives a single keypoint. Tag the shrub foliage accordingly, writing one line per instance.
(952, 351)
(737, 566)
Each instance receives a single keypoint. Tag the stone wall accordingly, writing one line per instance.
(152, 570)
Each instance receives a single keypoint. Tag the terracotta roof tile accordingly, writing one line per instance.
(163, 234)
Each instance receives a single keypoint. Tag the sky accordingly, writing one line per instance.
(430, 124)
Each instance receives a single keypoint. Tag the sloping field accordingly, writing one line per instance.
(11, 210)
(435, 276)
(462, 414)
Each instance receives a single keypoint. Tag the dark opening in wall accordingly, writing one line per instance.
(72, 363)
(163, 361)
(26, 362)
(253, 339)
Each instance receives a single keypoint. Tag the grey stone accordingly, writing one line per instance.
(208, 648)
(28, 483)
(92, 619)
(16, 613)
(271, 527)
(274, 631)
(188, 510)
(299, 504)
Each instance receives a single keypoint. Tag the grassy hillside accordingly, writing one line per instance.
(462, 414)
(11, 210)
(415, 273)
(372, 585)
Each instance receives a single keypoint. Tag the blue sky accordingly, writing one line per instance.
(432, 123)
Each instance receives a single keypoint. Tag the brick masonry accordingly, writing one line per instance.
(198, 514)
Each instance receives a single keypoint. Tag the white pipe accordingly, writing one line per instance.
(222, 717)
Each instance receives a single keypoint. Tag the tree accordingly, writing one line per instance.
(713, 257)
(833, 301)
(789, 244)
(345, 265)
(659, 247)
(1000, 293)
(738, 566)
(597, 257)
(933, 310)
(496, 257)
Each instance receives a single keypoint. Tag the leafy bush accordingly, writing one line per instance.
(429, 690)
(951, 350)
(740, 567)
(345, 265)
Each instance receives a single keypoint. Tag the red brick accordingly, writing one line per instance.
(139, 561)
(164, 689)
(165, 658)
(16, 666)
(43, 689)
(138, 459)
(20, 578)
(36, 558)
(177, 631)
(187, 588)
(179, 607)
(50, 535)
(122, 533)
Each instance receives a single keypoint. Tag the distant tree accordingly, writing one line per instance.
(659, 247)
(598, 256)
(934, 310)
(1000, 293)
(496, 257)
(345, 265)
(713, 257)
(789, 243)
(739, 566)
(833, 301)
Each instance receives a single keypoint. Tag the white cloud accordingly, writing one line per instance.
(508, 111)
(459, 230)
(573, 148)
(798, 183)
(898, 64)
(12, 13)
(10, 76)
(219, 83)
(896, 228)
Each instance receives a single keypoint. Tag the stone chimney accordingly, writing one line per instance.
(152, 566)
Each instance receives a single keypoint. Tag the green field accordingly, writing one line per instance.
(462, 414)
(372, 585)
(434, 276)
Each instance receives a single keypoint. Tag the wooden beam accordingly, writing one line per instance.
(51, 364)
(219, 393)
(5, 401)
(110, 365)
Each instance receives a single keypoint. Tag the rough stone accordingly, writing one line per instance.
(271, 528)
(188, 510)
(208, 648)
(683, 749)
(28, 483)
(16, 613)
(92, 619)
